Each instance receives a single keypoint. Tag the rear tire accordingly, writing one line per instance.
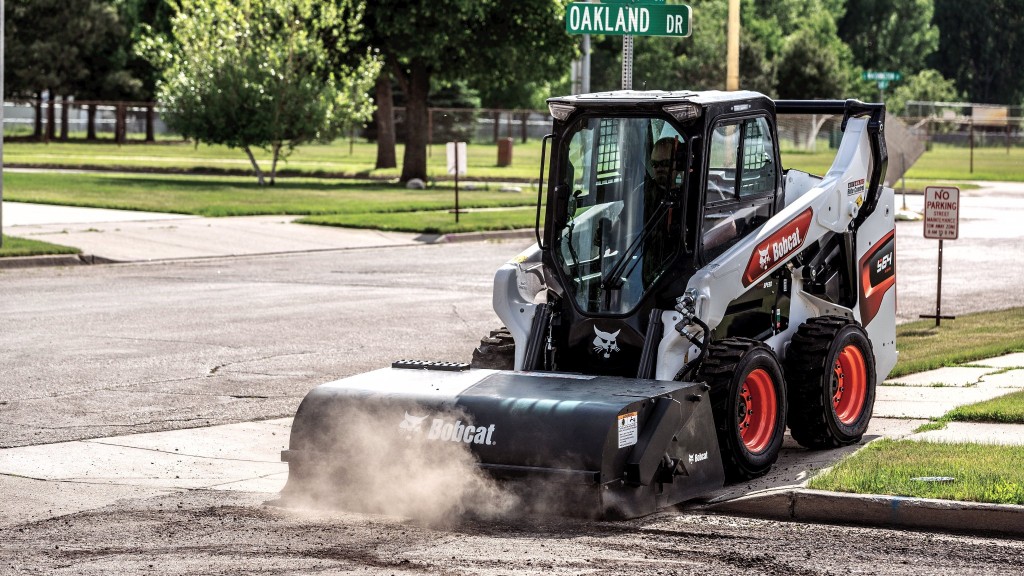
(496, 352)
(831, 370)
(748, 399)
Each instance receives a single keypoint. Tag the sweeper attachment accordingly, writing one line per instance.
(686, 301)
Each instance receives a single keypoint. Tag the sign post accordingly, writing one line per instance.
(456, 157)
(941, 222)
(628, 18)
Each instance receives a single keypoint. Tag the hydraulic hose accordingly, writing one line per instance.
(692, 366)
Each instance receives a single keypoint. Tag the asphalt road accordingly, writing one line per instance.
(108, 350)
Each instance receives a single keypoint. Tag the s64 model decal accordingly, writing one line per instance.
(877, 275)
(782, 244)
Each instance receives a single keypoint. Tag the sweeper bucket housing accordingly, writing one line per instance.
(592, 446)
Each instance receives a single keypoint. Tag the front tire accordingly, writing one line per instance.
(831, 370)
(496, 351)
(748, 399)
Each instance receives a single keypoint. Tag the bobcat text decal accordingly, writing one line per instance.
(778, 247)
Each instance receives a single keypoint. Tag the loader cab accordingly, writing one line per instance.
(645, 189)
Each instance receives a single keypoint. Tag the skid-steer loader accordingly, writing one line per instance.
(686, 300)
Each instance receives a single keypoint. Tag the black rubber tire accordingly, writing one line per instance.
(726, 370)
(496, 351)
(814, 382)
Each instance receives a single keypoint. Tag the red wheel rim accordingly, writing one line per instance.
(850, 385)
(756, 410)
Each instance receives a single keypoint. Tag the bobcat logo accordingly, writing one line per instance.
(605, 344)
(764, 257)
(411, 424)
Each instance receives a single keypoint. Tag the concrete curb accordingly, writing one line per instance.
(53, 260)
(804, 505)
(491, 235)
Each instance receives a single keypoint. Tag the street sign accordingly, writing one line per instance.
(886, 76)
(628, 19)
(456, 156)
(942, 212)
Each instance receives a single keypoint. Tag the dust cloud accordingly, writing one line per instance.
(385, 462)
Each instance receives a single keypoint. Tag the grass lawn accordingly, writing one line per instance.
(340, 158)
(337, 159)
(240, 196)
(970, 337)
(13, 246)
(981, 473)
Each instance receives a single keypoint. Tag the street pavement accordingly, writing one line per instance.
(68, 477)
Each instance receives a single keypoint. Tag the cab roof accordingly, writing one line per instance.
(655, 97)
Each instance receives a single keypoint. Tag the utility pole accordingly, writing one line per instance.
(732, 67)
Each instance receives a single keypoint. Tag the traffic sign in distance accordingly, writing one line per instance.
(942, 212)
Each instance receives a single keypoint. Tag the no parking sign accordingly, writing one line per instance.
(942, 212)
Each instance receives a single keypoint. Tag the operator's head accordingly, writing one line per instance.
(661, 161)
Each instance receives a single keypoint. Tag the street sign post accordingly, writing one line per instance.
(628, 18)
(456, 160)
(941, 222)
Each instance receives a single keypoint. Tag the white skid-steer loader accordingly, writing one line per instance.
(687, 299)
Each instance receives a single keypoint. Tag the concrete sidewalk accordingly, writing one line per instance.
(129, 236)
(74, 476)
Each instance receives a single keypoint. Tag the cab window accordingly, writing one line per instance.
(740, 183)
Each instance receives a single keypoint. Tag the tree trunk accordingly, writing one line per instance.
(90, 124)
(273, 162)
(38, 132)
(385, 122)
(255, 165)
(414, 164)
(51, 118)
(64, 114)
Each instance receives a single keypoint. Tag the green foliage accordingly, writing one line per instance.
(68, 47)
(814, 62)
(927, 85)
(890, 35)
(981, 49)
(256, 74)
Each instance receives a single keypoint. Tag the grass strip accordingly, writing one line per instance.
(970, 337)
(13, 246)
(1007, 409)
(240, 196)
(433, 222)
(981, 473)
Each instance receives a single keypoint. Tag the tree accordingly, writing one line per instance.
(256, 74)
(896, 35)
(927, 85)
(490, 42)
(68, 47)
(981, 47)
(814, 62)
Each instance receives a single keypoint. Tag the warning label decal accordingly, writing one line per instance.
(627, 429)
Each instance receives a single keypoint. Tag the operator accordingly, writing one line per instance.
(661, 161)
(662, 178)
